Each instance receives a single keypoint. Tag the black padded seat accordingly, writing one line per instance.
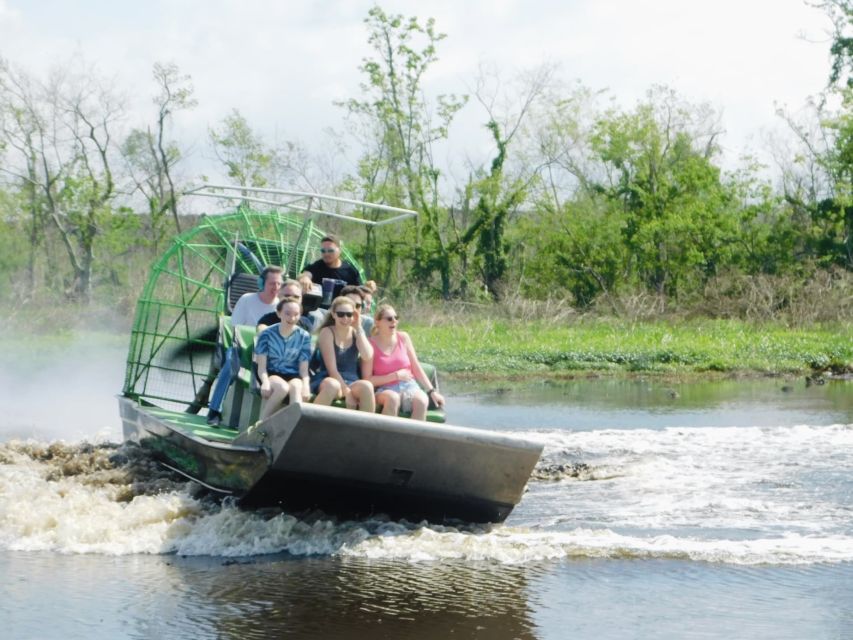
(239, 284)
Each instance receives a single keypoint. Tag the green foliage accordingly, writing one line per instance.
(609, 208)
(678, 219)
(840, 12)
(653, 211)
(244, 154)
(578, 249)
(398, 127)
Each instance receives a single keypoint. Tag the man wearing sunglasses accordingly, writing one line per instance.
(330, 265)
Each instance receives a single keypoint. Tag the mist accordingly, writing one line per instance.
(62, 391)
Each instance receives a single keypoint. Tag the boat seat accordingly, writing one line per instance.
(242, 404)
(238, 284)
(434, 414)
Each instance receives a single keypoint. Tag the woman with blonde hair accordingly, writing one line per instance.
(342, 342)
(395, 370)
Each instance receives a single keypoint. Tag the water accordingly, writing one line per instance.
(703, 510)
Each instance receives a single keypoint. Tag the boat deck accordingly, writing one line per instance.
(198, 427)
(195, 424)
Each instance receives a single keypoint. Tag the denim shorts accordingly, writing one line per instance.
(406, 389)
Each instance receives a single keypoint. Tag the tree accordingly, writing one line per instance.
(817, 182)
(20, 131)
(498, 193)
(659, 171)
(151, 158)
(244, 154)
(840, 13)
(398, 167)
(62, 138)
(635, 195)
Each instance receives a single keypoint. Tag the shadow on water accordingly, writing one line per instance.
(357, 598)
(176, 597)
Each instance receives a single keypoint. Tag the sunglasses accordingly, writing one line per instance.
(391, 318)
(344, 314)
(332, 250)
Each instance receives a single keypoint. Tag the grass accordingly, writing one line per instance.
(503, 341)
(488, 346)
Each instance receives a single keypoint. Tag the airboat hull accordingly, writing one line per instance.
(185, 447)
(349, 463)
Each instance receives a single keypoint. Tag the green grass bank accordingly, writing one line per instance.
(505, 347)
(499, 341)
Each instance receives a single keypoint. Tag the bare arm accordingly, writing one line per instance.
(305, 279)
(365, 349)
(418, 370)
(376, 381)
(263, 376)
(306, 380)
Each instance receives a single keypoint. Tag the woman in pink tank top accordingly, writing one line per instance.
(395, 370)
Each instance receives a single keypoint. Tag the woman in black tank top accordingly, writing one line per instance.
(341, 343)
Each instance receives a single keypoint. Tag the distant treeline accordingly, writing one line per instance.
(622, 209)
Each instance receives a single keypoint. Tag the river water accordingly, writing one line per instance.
(703, 510)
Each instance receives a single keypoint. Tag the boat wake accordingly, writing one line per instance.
(745, 496)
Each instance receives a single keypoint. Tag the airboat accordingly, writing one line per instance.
(304, 456)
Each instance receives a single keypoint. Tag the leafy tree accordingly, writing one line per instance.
(634, 197)
(151, 157)
(61, 136)
(659, 171)
(499, 193)
(817, 184)
(397, 166)
(578, 248)
(245, 155)
(840, 12)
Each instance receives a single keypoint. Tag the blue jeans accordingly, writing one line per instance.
(227, 375)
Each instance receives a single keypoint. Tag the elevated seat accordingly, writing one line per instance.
(238, 284)
(242, 404)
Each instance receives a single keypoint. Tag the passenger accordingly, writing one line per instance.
(395, 370)
(283, 351)
(356, 294)
(290, 289)
(341, 342)
(251, 306)
(248, 310)
(367, 294)
(367, 306)
(330, 265)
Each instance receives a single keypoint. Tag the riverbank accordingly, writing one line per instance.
(479, 346)
(488, 343)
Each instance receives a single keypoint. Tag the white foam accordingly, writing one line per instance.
(510, 546)
(741, 496)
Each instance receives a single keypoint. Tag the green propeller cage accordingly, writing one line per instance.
(174, 336)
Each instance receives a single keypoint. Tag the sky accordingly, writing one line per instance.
(283, 63)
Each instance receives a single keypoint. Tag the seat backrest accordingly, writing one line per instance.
(239, 284)
(246, 342)
(244, 338)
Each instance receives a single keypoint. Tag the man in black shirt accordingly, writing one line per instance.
(290, 289)
(330, 265)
